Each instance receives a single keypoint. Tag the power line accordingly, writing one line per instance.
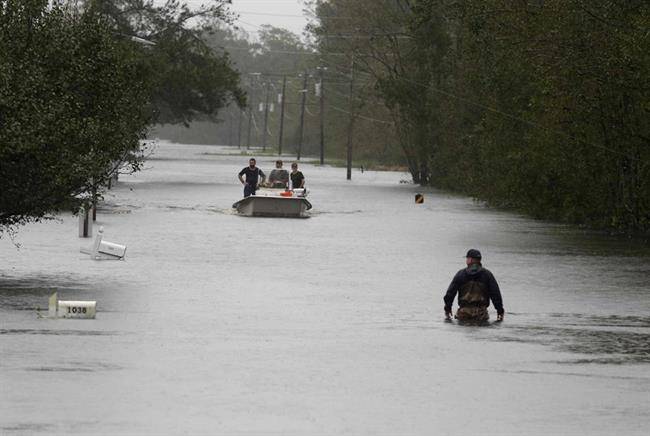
(297, 75)
(250, 24)
(468, 101)
(270, 14)
(263, 51)
(308, 111)
(510, 116)
(519, 119)
(374, 120)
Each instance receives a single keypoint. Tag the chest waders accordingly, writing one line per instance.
(473, 301)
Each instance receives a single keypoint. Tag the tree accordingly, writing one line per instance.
(401, 47)
(537, 105)
(81, 81)
(73, 101)
(563, 128)
(190, 79)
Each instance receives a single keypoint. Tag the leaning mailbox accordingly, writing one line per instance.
(104, 250)
(111, 249)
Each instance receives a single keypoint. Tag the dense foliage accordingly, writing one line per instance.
(540, 106)
(72, 105)
(81, 81)
(190, 79)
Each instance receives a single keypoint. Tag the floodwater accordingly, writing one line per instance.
(221, 324)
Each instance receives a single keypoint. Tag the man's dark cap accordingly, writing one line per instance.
(474, 254)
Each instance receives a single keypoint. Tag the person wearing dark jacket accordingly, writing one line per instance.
(476, 287)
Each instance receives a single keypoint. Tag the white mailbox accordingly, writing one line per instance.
(71, 309)
(104, 250)
(112, 249)
(77, 309)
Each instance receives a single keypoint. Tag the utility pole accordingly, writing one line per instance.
(302, 113)
(251, 105)
(351, 123)
(230, 127)
(284, 88)
(241, 116)
(266, 114)
(250, 119)
(322, 115)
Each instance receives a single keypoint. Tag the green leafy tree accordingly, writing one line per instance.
(81, 81)
(73, 102)
(191, 80)
(559, 92)
(399, 47)
(540, 106)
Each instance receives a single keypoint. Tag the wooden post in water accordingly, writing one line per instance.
(350, 124)
(322, 115)
(250, 123)
(284, 88)
(241, 116)
(266, 113)
(85, 223)
(302, 113)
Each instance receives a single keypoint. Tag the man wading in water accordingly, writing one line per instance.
(475, 286)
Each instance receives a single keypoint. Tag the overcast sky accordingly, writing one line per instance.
(254, 13)
(278, 13)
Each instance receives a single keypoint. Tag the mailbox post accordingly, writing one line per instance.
(85, 223)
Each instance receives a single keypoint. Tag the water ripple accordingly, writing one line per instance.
(57, 332)
(600, 339)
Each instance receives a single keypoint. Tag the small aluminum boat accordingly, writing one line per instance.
(275, 203)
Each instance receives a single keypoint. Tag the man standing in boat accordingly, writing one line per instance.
(475, 287)
(252, 178)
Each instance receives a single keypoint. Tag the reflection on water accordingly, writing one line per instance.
(565, 373)
(578, 319)
(340, 212)
(31, 293)
(47, 427)
(76, 367)
(57, 332)
(601, 339)
(28, 428)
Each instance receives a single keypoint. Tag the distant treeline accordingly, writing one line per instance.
(264, 63)
(542, 106)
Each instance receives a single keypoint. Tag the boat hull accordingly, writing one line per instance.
(280, 207)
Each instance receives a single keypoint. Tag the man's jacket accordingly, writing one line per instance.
(475, 287)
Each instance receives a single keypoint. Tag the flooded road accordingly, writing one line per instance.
(221, 324)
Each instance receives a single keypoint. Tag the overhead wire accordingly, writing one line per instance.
(363, 117)
(308, 111)
(506, 114)
(434, 89)
(427, 86)
(519, 119)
